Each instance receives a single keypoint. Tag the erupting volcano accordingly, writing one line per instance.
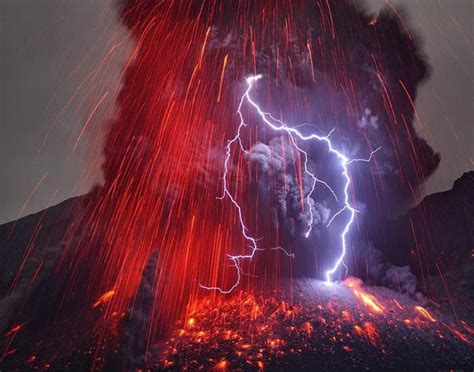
(262, 160)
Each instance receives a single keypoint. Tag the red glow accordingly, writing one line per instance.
(14, 329)
(104, 298)
(425, 313)
(367, 299)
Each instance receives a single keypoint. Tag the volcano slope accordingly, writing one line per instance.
(311, 324)
(305, 325)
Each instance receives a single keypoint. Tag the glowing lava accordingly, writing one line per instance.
(252, 330)
(104, 298)
(425, 313)
(368, 300)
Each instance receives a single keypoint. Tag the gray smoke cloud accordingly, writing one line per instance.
(137, 321)
(277, 170)
(360, 77)
(371, 108)
(378, 271)
(280, 191)
(275, 164)
(384, 68)
(403, 280)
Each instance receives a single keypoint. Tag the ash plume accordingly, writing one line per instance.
(366, 89)
(325, 65)
(347, 69)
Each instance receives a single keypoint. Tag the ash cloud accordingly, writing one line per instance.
(276, 165)
(363, 83)
(375, 270)
(402, 280)
(138, 320)
(361, 78)
(339, 67)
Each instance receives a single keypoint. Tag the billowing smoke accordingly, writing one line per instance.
(374, 268)
(356, 72)
(137, 321)
(281, 192)
(363, 83)
(330, 65)
(371, 105)
(402, 280)
(275, 165)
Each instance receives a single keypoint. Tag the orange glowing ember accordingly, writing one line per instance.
(367, 299)
(222, 365)
(308, 328)
(371, 332)
(104, 298)
(14, 329)
(425, 313)
(31, 359)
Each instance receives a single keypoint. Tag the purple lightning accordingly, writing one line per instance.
(278, 125)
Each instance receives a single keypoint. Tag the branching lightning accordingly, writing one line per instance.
(293, 134)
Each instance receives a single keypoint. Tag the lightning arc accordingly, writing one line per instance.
(292, 132)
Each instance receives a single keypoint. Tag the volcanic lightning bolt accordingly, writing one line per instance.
(294, 134)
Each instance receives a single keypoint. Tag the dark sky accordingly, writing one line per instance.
(61, 66)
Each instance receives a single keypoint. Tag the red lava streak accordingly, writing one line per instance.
(368, 300)
(104, 298)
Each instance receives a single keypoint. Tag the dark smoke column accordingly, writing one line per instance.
(323, 63)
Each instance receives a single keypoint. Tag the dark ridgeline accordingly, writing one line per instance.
(437, 232)
(31, 249)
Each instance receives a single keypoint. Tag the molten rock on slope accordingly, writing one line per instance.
(315, 324)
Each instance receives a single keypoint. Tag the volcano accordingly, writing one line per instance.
(159, 268)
